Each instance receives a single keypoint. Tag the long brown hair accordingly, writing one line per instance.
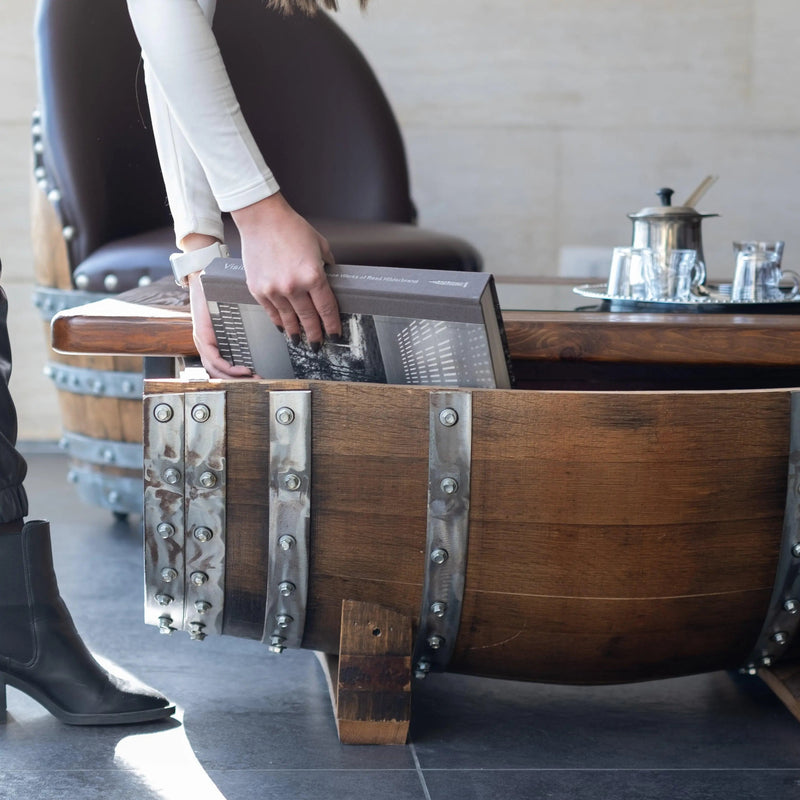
(307, 6)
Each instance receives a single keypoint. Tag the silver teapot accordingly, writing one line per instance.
(667, 227)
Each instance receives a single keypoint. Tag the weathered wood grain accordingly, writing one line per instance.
(613, 536)
(372, 702)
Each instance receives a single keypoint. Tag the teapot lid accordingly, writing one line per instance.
(666, 209)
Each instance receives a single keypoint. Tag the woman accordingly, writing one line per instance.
(211, 164)
(41, 653)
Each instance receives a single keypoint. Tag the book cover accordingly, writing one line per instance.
(404, 326)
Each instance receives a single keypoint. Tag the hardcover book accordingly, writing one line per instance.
(404, 326)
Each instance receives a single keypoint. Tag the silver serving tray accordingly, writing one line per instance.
(717, 300)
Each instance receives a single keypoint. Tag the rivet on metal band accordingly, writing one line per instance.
(449, 463)
(289, 519)
(782, 621)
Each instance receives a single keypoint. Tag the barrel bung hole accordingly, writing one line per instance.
(376, 631)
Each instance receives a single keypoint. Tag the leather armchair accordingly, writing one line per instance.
(321, 119)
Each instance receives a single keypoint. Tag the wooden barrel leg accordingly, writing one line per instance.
(784, 680)
(370, 680)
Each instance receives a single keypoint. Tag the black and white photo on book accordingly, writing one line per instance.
(402, 326)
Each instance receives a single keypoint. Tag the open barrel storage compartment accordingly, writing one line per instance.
(613, 536)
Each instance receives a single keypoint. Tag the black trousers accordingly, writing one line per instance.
(13, 500)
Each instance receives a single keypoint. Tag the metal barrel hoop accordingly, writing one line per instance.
(184, 511)
(206, 482)
(783, 616)
(289, 519)
(449, 464)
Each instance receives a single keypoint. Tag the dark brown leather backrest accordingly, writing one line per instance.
(315, 107)
(98, 148)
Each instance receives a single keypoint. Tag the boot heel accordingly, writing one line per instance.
(3, 712)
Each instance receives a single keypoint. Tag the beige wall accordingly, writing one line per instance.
(537, 125)
(533, 127)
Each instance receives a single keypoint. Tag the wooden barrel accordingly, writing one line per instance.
(99, 396)
(613, 537)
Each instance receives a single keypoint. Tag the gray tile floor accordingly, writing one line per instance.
(253, 725)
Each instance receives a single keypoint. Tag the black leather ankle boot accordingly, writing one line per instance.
(41, 652)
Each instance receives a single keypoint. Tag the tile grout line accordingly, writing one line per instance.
(419, 771)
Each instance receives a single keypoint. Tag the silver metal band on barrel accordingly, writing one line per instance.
(783, 617)
(289, 518)
(184, 512)
(449, 464)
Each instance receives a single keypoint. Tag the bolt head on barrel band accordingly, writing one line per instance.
(208, 480)
(163, 412)
(198, 578)
(169, 574)
(286, 542)
(439, 555)
(171, 476)
(292, 482)
(438, 609)
(196, 631)
(203, 534)
(284, 415)
(448, 417)
(449, 485)
(201, 412)
(422, 669)
(165, 530)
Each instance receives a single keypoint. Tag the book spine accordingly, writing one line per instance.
(502, 330)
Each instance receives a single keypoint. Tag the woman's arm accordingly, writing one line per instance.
(211, 163)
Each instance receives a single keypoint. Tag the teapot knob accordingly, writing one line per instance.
(666, 196)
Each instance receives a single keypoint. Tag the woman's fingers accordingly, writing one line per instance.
(284, 258)
(205, 339)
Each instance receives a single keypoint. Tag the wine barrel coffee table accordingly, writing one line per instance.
(545, 534)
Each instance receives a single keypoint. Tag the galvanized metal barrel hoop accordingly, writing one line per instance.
(184, 511)
(783, 617)
(449, 465)
(289, 519)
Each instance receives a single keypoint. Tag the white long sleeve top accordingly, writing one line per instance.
(208, 156)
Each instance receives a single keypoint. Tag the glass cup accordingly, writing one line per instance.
(629, 266)
(675, 276)
(758, 273)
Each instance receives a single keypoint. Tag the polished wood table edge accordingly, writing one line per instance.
(117, 327)
(767, 340)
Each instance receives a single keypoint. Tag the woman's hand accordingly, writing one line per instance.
(204, 338)
(284, 259)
